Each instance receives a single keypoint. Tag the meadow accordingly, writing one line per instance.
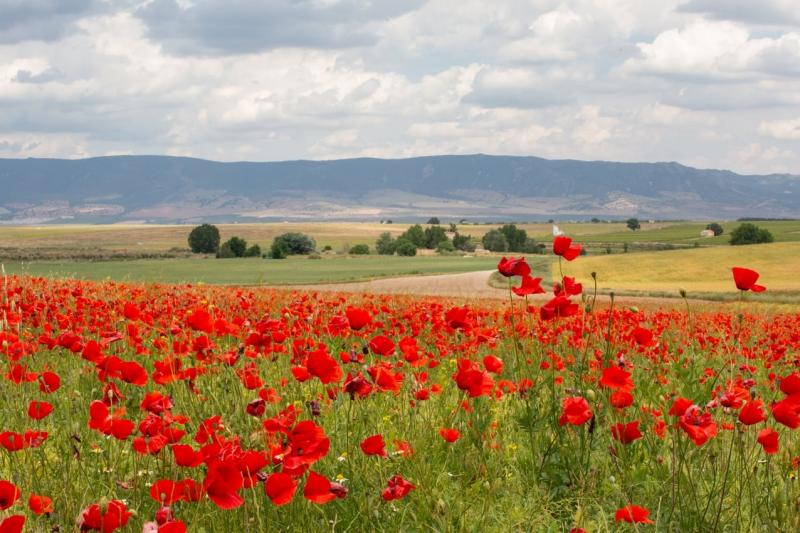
(177, 408)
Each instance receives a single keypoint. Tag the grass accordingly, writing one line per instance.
(698, 270)
(254, 271)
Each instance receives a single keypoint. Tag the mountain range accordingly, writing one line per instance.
(476, 187)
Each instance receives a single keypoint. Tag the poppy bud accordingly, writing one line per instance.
(682, 293)
(594, 275)
(590, 394)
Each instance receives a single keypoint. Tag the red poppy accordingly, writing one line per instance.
(280, 488)
(374, 445)
(12, 441)
(382, 345)
(563, 247)
(626, 433)
(108, 423)
(575, 411)
(621, 399)
(13, 524)
(358, 318)
(396, 488)
(513, 267)
(633, 514)
(49, 382)
(457, 317)
(751, 413)
(40, 504)
(698, 425)
(39, 410)
(113, 516)
(222, 484)
(9, 494)
(745, 279)
(493, 364)
(616, 378)
(450, 434)
(323, 366)
(529, 285)
(318, 489)
(472, 379)
(768, 439)
(787, 411)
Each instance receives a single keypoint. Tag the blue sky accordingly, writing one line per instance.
(709, 83)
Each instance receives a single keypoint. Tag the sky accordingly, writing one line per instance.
(707, 83)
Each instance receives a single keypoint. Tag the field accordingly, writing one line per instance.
(295, 270)
(220, 409)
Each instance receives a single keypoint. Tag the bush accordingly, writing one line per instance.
(279, 249)
(633, 224)
(327, 248)
(748, 233)
(415, 235)
(716, 228)
(530, 246)
(360, 249)
(445, 247)
(385, 245)
(226, 252)
(463, 243)
(495, 241)
(237, 246)
(297, 243)
(433, 236)
(253, 251)
(204, 239)
(434, 220)
(515, 237)
(405, 248)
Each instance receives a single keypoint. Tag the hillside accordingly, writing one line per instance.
(178, 189)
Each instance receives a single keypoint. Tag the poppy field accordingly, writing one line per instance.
(169, 408)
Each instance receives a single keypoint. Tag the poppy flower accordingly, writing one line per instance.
(49, 382)
(222, 484)
(616, 378)
(13, 524)
(513, 267)
(280, 488)
(374, 445)
(40, 504)
(39, 410)
(751, 413)
(457, 317)
(633, 514)
(787, 411)
(472, 379)
(111, 517)
(626, 433)
(358, 318)
(493, 364)
(621, 399)
(450, 434)
(396, 489)
(318, 489)
(529, 285)
(382, 345)
(12, 441)
(698, 425)
(745, 279)
(575, 411)
(562, 246)
(323, 366)
(9, 494)
(768, 439)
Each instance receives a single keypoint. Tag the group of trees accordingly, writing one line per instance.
(748, 233)
(510, 238)
(205, 239)
(432, 238)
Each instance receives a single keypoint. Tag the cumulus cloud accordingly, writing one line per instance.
(692, 81)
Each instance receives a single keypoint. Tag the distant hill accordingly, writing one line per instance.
(180, 189)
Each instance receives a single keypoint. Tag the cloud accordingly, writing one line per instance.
(42, 20)
(519, 88)
(220, 27)
(781, 129)
(770, 12)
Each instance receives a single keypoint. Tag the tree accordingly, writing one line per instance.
(385, 245)
(360, 249)
(530, 246)
(633, 224)
(463, 243)
(225, 251)
(297, 243)
(405, 248)
(445, 247)
(415, 235)
(748, 233)
(204, 239)
(434, 221)
(253, 251)
(433, 236)
(236, 245)
(279, 249)
(516, 237)
(453, 228)
(495, 241)
(716, 228)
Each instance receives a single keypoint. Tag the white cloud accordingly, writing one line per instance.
(781, 129)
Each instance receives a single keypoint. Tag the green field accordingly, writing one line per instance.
(254, 271)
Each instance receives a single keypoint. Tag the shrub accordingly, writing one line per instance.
(495, 241)
(445, 247)
(433, 236)
(237, 245)
(434, 220)
(360, 249)
(225, 251)
(716, 228)
(204, 239)
(385, 245)
(463, 243)
(530, 246)
(279, 249)
(633, 224)
(515, 237)
(327, 248)
(253, 251)
(297, 243)
(415, 235)
(405, 248)
(748, 233)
